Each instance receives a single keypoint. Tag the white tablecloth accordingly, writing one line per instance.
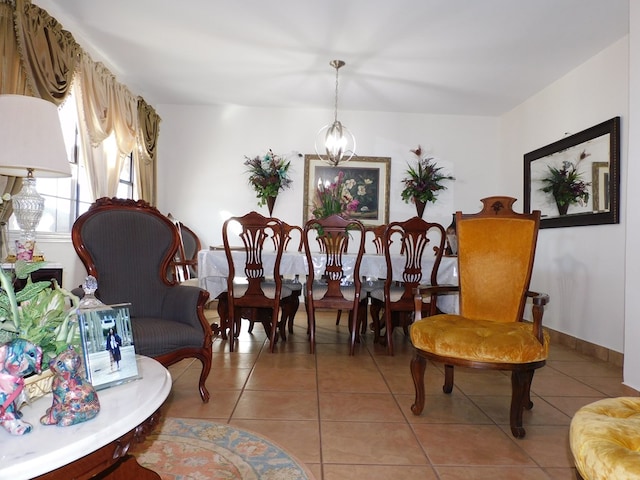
(213, 269)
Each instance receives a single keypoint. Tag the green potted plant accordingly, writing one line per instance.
(565, 184)
(268, 175)
(42, 312)
(423, 181)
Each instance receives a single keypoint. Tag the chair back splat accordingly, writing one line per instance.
(496, 250)
(129, 247)
(334, 288)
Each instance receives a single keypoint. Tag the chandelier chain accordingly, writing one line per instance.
(335, 110)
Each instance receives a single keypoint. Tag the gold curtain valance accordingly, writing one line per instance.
(49, 54)
(148, 130)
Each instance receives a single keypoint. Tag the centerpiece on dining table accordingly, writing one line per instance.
(268, 175)
(423, 181)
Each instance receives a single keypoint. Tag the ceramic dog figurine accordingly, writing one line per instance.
(17, 359)
(74, 399)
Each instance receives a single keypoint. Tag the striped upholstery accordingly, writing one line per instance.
(129, 246)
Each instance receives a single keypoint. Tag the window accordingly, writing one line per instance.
(68, 198)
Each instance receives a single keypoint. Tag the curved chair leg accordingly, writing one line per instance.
(418, 366)
(206, 368)
(520, 387)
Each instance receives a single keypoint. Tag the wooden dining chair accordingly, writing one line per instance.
(331, 289)
(416, 237)
(184, 266)
(258, 294)
(496, 250)
(290, 304)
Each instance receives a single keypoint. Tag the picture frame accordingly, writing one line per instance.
(594, 154)
(370, 186)
(102, 368)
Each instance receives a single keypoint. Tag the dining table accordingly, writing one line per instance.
(213, 269)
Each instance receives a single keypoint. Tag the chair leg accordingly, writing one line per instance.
(338, 315)
(389, 329)
(418, 367)
(374, 311)
(448, 379)
(311, 317)
(353, 323)
(520, 398)
(275, 312)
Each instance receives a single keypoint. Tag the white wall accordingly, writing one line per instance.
(632, 283)
(582, 268)
(201, 149)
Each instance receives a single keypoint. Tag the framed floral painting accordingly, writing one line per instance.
(363, 183)
(576, 181)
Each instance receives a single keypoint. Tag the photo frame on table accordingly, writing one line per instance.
(596, 154)
(369, 180)
(108, 363)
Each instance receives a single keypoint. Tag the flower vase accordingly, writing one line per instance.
(271, 201)
(452, 238)
(562, 209)
(419, 206)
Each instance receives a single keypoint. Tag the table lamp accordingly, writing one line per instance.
(31, 143)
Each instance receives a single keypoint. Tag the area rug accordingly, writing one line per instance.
(181, 449)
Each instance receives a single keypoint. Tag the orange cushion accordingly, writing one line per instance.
(605, 439)
(479, 340)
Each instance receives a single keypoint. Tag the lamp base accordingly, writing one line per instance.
(25, 247)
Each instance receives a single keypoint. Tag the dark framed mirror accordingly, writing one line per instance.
(576, 181)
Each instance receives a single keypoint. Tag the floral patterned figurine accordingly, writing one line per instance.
(17, 359)
(74, 399)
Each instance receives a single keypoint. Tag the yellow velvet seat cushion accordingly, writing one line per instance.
(479, 340)
(605, 439)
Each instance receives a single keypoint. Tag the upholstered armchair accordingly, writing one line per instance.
(496, 250)
(128, 247)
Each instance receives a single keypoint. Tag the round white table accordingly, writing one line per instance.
(128, 413)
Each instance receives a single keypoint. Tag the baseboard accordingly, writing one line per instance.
(593, 350)
(587, 348)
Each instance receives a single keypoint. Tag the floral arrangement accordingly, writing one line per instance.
(39, 312)
(334, 198)
(268, 175)
(423, 180)
(566, 185)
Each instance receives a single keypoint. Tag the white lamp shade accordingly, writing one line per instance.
(31, 138)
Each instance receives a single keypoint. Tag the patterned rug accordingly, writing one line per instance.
(181, 449)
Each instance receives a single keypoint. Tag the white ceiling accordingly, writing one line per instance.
(470, 57)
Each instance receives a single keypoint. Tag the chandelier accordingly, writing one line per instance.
(335, 140)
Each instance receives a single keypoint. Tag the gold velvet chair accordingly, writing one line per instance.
(496, 250)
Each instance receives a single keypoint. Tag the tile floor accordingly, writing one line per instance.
(350, 417)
